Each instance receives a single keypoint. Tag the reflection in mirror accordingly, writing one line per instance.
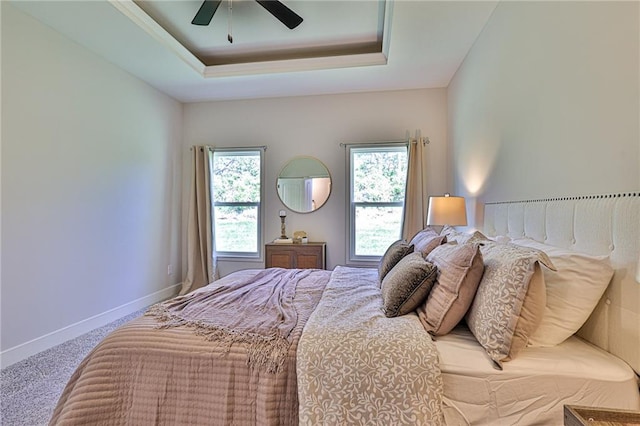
(304, 184)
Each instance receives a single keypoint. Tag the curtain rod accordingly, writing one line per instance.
(213, 148)
(425, 141)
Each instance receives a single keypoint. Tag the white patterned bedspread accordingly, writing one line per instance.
(355, 366)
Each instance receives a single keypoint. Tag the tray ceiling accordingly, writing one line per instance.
(329, 29)
(340, 47)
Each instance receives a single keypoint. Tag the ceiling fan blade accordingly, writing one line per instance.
(281, 12)
(206, 11)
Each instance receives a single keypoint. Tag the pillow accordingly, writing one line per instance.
(502, 239)
(510, 300)
(573, 291)
(394, 253)
(426, 240)
(407, 285)
(453, 234)
(428, 231)
(460, 269)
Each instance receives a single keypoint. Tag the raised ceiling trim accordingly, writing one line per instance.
(386, 30)
(294, 65)
(151, 27)
(139, 17)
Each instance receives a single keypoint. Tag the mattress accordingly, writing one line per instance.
(532, 388)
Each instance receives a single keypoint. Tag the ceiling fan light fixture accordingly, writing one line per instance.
(275, 7)
(205, 13)
(230, 20)
(285, 15)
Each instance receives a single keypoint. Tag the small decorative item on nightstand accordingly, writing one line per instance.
(300, 237)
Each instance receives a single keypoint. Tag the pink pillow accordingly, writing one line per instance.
(460, 269)
(427, 240)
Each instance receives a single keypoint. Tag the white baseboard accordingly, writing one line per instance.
(32, 347)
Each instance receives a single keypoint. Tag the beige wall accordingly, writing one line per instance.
(546, 103)
(91, 173)
(315, 126)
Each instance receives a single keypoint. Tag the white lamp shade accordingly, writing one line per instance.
(447, 210)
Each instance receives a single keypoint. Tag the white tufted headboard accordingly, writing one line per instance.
(593, 224)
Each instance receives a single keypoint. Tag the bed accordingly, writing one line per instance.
(356, 354)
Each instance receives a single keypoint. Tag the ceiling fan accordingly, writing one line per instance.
(275, 7)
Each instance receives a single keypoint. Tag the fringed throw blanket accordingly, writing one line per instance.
(258, 312)
(142, 375)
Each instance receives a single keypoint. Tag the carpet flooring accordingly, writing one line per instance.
(29, 389)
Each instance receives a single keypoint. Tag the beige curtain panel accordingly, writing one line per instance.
(201, 262)
(415, 205)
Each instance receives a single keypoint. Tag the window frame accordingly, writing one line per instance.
(351, 258)
(240, 256)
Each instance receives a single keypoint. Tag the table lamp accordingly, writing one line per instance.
(283, 233)
(447, 210)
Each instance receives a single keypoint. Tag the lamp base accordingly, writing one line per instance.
(283, 232)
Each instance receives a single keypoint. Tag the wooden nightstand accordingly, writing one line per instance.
(587, 416)
(303, 256)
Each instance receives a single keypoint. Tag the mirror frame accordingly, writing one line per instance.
(287, 164)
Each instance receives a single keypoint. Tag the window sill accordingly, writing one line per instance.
(256, 259)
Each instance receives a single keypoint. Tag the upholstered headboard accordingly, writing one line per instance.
(593, 224)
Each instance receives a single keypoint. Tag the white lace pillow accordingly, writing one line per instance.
(453, 234)
(510, 299)
(573, 291)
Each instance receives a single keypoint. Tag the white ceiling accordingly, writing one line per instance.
(408, 44)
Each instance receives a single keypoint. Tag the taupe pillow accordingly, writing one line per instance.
(510, 300)
(427, 240)
(460, 269)
(394, 253)
(407, 285)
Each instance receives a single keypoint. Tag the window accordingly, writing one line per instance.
(237, 208)
(377, 180)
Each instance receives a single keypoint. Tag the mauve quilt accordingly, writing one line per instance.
(145, 375)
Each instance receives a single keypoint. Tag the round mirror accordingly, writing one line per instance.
(304, 184)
